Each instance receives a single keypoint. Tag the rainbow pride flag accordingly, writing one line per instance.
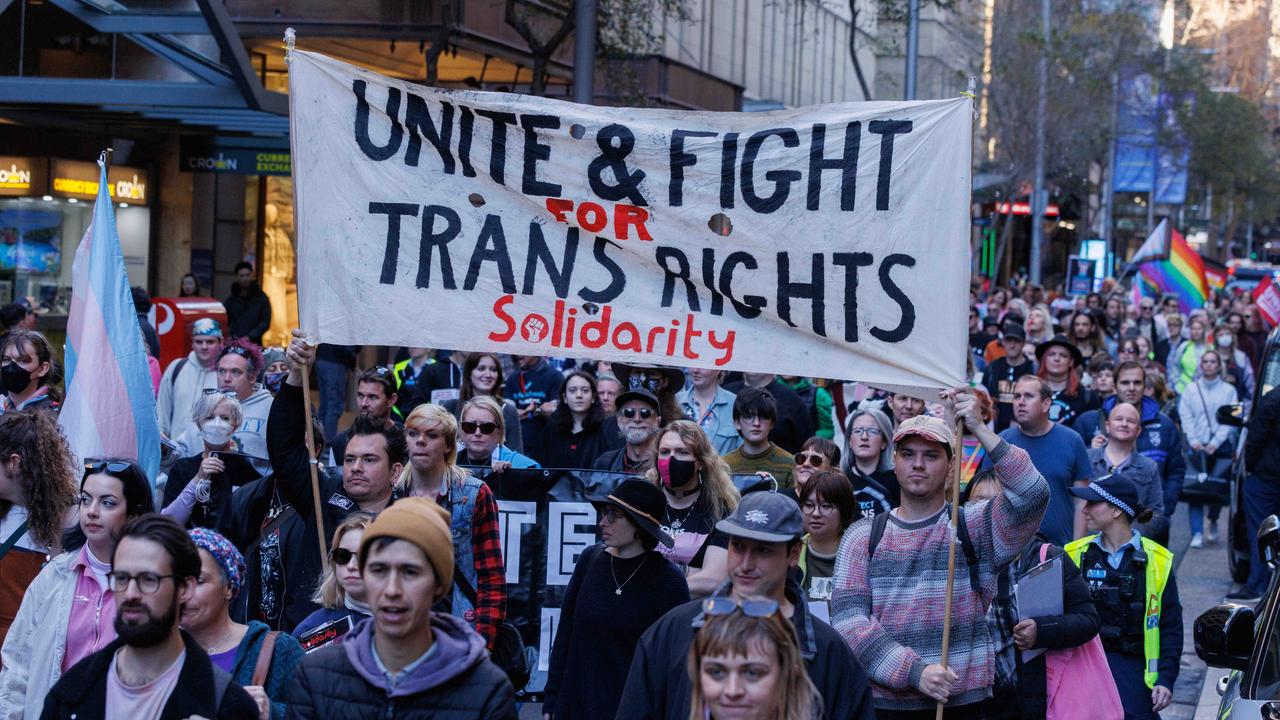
(1181, 274)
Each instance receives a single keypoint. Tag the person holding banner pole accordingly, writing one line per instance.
(375, 456)
(906, 570)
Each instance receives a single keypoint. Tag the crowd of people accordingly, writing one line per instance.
(773, 547)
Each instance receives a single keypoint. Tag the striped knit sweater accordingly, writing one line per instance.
(891, 612)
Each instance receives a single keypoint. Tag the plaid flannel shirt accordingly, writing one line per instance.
(1001, 617)
(491, 574)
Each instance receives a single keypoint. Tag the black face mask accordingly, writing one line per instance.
(676, 473)
(15, 378)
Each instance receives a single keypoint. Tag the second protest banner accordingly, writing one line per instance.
(829, 241)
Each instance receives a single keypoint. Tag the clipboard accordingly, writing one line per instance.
(1039, 594)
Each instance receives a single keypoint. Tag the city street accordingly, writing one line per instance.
(1203, 581)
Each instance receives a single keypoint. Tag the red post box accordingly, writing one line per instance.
(173, 317)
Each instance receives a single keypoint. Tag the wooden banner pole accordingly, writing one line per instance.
(958, 458)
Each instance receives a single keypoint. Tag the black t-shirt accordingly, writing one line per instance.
(694, 528)
(876, 493)
(1065, 409)
(999, 380)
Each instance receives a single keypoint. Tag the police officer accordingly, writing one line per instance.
(1133, 587)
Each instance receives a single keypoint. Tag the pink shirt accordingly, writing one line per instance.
(141, 703)
(91, 626)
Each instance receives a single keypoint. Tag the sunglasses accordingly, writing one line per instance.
(237, 350)
(485, 428)
(756, 608)
(93, 466)
(216, 391)
(341, 556)
(381, 371)
(813, 459)
(644, 413)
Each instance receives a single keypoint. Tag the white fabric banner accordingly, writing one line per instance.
(828, 241)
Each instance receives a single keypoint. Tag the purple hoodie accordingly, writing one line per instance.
(458, 648)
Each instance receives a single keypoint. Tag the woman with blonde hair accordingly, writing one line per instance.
(484, 434)
(699, 494)
(746, 665)
(479, 588)
(340, 593)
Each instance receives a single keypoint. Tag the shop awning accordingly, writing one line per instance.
(173, 61)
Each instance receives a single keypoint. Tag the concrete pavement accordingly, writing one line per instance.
(1203, 581)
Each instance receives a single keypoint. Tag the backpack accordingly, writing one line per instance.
(881, 521)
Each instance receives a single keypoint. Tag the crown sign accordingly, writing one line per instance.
(758, 517)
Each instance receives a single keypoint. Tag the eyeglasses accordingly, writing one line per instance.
(868, 432)
(756, 608)
(148, 583)
(95, 465)
(341, 556)
(644, 413)
(225, 393)
(813, 459)
(817, 508)
(485, 428)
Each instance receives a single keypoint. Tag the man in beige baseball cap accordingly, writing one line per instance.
(899, 643)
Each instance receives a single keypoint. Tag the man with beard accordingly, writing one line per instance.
(638, 421)
(374, 459)
(376, 398)
(153, 669)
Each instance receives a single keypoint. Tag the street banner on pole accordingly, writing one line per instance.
(822, 241)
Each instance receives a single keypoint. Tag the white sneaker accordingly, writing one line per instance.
(1197, 540)
(1211, 532)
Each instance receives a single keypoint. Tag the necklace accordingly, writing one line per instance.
(677, 523)
(212, 648)
(618, 588)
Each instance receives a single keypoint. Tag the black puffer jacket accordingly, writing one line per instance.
(343, 681)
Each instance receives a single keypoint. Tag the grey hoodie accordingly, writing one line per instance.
(457, 649)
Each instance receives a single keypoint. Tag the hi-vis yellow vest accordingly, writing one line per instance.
(1159, 564)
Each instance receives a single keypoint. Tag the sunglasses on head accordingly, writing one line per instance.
(644, 413)
(115, 466)
(341, 556)
(813, 459)
(756, 608)
(381, 371)
(217, 391)
(237, 350)
(485, 428)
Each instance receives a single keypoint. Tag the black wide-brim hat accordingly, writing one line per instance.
(644, 503)
(624, 371)
(1062, 342)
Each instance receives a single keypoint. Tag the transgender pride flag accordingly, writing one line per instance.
(110, 409)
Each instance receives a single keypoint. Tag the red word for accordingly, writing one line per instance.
(678, 338)
(593, 217)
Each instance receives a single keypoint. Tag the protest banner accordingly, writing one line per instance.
(822, 241)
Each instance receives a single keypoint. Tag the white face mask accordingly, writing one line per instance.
(216, 431)
(1224, 341)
